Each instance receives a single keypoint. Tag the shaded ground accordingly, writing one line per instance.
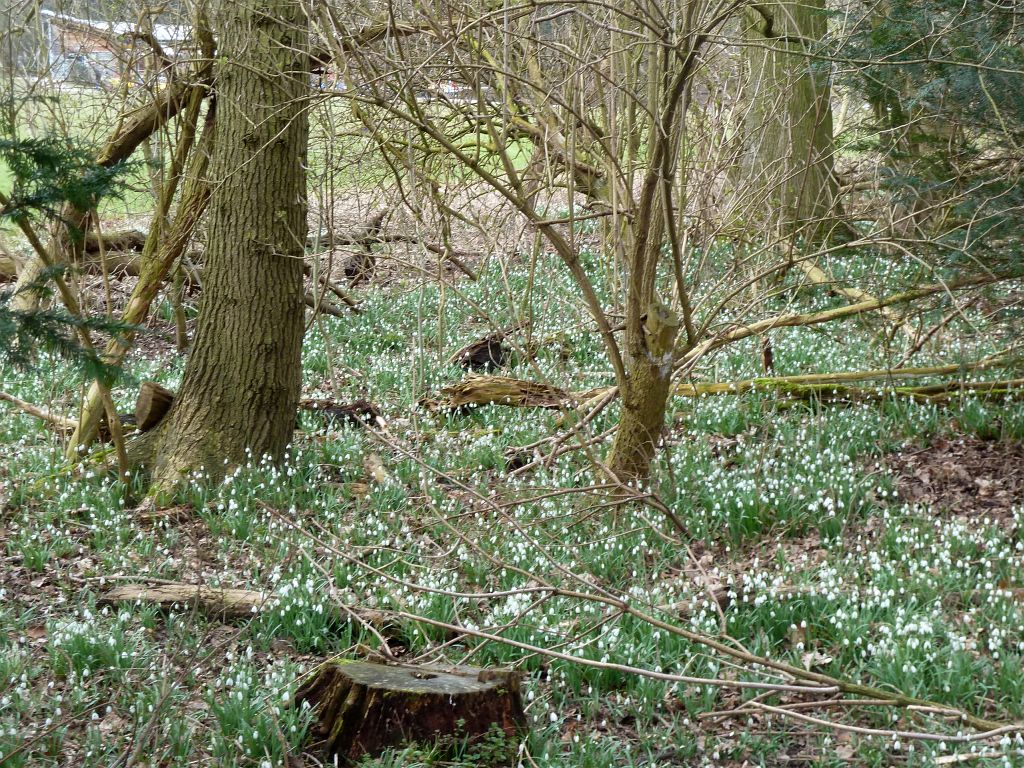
(963, 476)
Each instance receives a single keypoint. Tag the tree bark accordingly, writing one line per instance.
(789, 156)
(363, 708)
(241, 385)
(645, 397)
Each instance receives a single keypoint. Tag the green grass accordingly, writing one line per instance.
(6, 178)
(797, 514)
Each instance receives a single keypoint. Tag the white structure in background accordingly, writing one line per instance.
(100, 54)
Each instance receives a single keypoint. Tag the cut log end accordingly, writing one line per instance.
(364, 708)
(152, 405)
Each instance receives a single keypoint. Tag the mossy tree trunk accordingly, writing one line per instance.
(241, 385)
(645, 396)
(789, 153)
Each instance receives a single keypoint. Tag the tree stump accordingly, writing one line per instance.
(485, 354)
(363, 708)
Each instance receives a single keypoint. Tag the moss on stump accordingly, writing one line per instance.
(364, 708)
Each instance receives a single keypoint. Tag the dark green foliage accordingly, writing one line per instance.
(22, 333)
(946, 83)
(51, 171)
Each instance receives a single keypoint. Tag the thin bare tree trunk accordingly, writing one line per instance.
(64, 247)
(162, 249)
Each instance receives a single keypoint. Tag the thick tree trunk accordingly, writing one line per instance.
(645, 397)
(241, 385)
(789, 146)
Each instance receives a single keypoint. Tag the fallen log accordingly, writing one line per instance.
(500, 390)
(127, 425)
(835, 392)
(484, 354)
(518, 393)
(889, 374)
(122, 240)
(488, 352)
(212, 601)
(232, 603)
(151, 405)
(363, 708)
(115, 261)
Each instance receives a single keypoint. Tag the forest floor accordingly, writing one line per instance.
(881, 543)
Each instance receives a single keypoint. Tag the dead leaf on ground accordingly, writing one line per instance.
(965, 477)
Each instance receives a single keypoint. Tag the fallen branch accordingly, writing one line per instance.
(365, 235)
(320, 304)
(818, 276)
(959, 738)
(371, 234)
(687, 358)
(210, 600)
(347, 300)
(58, 422)
(810, 682)
(500, 390)
(116, 261)
(804, 680)
(154, 403)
